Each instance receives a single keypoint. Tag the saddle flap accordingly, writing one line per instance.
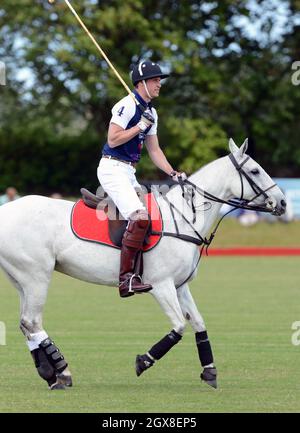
(91, 223)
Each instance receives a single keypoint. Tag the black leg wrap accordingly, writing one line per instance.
(44, 368)
(204, 349)
(53, 355)
(164, 345)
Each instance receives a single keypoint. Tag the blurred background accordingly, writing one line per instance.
(235, 72)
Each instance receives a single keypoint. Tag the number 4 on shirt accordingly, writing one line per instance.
(120, 111)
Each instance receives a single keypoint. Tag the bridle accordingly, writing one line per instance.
(189, 190)
(256, 188)
(240, 203)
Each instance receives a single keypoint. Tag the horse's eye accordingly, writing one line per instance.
(255, 171)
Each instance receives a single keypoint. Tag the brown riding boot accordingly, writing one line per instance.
(130, 281)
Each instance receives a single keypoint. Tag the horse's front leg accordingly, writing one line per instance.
(165, 294)
(192, 314)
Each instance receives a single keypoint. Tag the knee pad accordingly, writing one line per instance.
(141, 218)
(143, 223)
(137, 229)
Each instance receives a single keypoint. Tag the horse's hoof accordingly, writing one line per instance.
(64, 380)
(142, 363)
(57, 385)
(209, 376)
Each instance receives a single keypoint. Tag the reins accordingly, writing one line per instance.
(240, 203)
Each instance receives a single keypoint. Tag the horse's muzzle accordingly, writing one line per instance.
(279, 208)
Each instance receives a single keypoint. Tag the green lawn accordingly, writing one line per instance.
(232, 233)
(249, 305)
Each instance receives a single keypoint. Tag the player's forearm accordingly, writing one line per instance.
(160, 160)
(120, 137)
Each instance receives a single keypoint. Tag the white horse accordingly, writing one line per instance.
(36, 239)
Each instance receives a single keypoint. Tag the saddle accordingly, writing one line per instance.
(95, 218)
(116, 224)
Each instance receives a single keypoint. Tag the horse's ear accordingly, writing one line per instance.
(244, 147)
(232, 146)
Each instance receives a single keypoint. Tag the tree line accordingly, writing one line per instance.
(226, 80)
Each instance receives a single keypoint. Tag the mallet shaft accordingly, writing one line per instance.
(100, 50)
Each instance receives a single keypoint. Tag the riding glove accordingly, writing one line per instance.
(146, 120)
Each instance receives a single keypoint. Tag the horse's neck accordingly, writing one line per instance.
(214, 179)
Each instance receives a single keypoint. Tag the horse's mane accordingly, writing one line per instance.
(204, 167)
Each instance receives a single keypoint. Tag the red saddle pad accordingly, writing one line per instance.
(92, 224)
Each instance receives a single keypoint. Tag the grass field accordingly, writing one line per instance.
(263, 234)
(249, 305)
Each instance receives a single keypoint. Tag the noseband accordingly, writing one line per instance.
(256, 188)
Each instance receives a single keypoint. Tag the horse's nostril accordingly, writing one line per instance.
(283, 203)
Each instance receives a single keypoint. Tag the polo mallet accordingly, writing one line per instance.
(100, 50)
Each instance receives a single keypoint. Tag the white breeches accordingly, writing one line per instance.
(119, 182)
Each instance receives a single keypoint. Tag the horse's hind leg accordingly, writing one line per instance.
(165, 294)
(49, 361)
(192, 314)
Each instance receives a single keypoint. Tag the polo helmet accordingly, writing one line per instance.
(145, 70)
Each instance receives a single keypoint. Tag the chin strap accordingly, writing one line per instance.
(146, 88)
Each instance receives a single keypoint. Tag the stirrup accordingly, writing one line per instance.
(130, 282)
(123, 291)
(145, 290)
(126, 287)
